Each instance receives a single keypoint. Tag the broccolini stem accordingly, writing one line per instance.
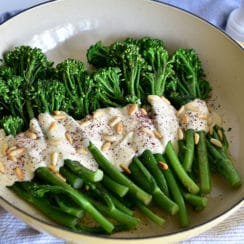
(114, 186)
(203, 165)
(224, 165)
(83, 172)
(175, 192)
(144, 179)
(47, 176)
(150, 163)
(115, 174)
(189, 150)
(175, 163)
(42, 204)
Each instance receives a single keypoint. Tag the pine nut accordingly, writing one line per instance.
(119, 128)
(125, 168)
(157, 135)
(16, 152)
(185, 119)
(163, 165)
(19, 173)
(115, 120)
(2, 169)
(180, 134)
(196, 138)
(84, 123)
(191, 107)
(31, 135)
(132, 109)
(165, 100)
(68, 137)
(203, 116)
(4, 149)
(54, 158)
(216, 142)
(110, 138)
(52, 126)
(144, 111)
(97, 113)
(220, 134)
(180, 111)
(82, 151)
(55, 142)
(210, 120)
(59, 116)
(106, 145)
(147, 131)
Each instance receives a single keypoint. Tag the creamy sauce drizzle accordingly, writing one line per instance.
(118, 133)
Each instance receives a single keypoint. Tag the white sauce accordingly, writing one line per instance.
(197, 114)
(138, 131)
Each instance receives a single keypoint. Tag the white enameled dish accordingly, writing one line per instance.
(67, 28)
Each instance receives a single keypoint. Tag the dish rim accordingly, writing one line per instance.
(223, 213)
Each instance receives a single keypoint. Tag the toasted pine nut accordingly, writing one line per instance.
(106, 145)
(57, 112)
(52, 126)
(119, 128)
(68, 137)
(52, 168)
(196, 138)
(54, 158)
(55, 142)
(216, 142)
(220, 134)
(132, 109)
(19, 173)
(2, 169)
(210, 120)
(144, 111)
(157, 134)
(211, 130)
(180, 111)
(185, 119)
(125, 168)
(97, 113)
(115, 120)
(59, 116)
(191, 107)
(4, 149)
(203, 116)
(110, 138)
(165, 100)
(147, 131)
(84, 123)
(31, 135)
(163, 165)
(180, 134)
(16, 152)
(82, 151)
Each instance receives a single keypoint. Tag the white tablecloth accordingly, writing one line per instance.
(231, 230)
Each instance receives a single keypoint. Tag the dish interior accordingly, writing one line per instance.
(69, 35)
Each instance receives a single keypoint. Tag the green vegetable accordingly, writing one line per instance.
(115, 174)
(175, 192)
(25, 191)
(141, 176)
(203, 164)
(83, 172)
(190, 82)
(59, 186)
(176, 165)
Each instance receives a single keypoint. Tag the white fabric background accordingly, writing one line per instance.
(13, 230)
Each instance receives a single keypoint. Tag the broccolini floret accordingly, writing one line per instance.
(108, 86)
(191, 82)
(78, 85)
(11, 124)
